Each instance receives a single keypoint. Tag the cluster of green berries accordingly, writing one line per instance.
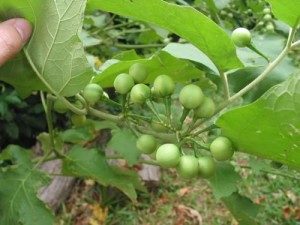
(266, 23)
(188, 166)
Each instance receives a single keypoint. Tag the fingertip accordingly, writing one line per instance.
(23, 27)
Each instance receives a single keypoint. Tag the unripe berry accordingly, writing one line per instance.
(221, 149)
(188, 166)
(207, 166)
(92, 93)
(138, 72)
(241, 37)
(146, 144)
(123, 83)
(140, 93)
(164, 85)
(168, 155)
(59, 106)
(191, 96)
(206, 109)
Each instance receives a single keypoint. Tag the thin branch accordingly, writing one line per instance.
(225, 84)
(105, 116)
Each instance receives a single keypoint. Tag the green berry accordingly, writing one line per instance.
(267, 17)
(92, 93)
(140, 93)
(59, 106)
(191, 96)
(207, 166)
(221, 149)
(139, 72)
(164, 85)
(270, 27)
(188, 166)
(168, 155)
(267, 11)
(78, 120)
(146, 144)
(241, 37)
(123, 83)
(206, 109)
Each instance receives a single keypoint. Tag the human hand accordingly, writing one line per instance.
(14, 33)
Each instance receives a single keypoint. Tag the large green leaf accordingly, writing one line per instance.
(18, 191)
(242, 208)
(286, 10)
(124, 143)
(185, 21)
(18, 73)
(269, 127)
(92, 164)
(224, 182)
(160, 63)
(55, 51)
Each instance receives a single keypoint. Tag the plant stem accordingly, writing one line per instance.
(295, 44)
(212, 126)
(167, 102)
(105, 116)
(141, 161)
(153, 110)
(225, 84)
(163, 136)
(184, 114)
(263, 75)
(109, 101)
(47, 104)
(253, 48)
(139, 46)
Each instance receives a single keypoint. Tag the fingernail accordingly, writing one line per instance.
(24, 29)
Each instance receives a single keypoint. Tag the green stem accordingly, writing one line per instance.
(225, 84)
(263, 75)
(118, 26)
(163, 136)
(105, 116)
(253, 48)
(167, 102)
(141, 161)
(153, 110)
(47, 104)
(295, 44)
(139, 46)
(213, 10)
(213, 126)
(184, 114)
(109, 101)
(147, 119)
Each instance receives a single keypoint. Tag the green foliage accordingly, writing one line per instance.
(160, 63)
(203, 34)
(91, 164)
(123, 142)
(269, 127)
(54, 61)
(63, 69)
(243, 209)
(19, 202)
(287, 11)
(225, 180)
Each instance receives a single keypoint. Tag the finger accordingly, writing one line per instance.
(14, 34)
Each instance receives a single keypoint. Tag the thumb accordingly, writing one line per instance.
(14, 33)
